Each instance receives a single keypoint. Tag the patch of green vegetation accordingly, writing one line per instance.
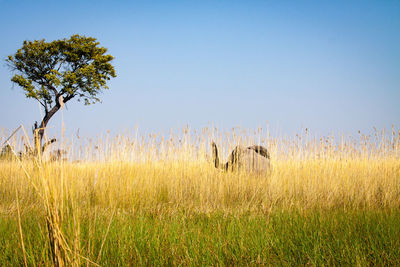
(330, 237)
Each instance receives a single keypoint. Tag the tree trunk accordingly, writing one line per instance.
(38, 132)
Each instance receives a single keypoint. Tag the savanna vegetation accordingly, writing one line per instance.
(53, 73)
(137, 199)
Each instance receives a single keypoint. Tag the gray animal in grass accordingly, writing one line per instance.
(250, 159)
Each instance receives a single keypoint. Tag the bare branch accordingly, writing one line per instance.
(48, 143)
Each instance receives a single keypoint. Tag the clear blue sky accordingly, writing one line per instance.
(325, 65)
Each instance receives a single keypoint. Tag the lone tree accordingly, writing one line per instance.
(55, 72)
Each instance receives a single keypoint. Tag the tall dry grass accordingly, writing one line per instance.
(163, 175)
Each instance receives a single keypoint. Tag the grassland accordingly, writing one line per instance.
(155, 200)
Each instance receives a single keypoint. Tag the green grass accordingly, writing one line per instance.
(319, 237)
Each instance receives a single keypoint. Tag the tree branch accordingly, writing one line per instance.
(68, 97)
(51, 87)
(41, 103)
(48, 143)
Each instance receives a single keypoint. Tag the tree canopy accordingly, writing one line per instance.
(55, 72)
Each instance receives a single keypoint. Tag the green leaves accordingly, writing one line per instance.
(74, 67)
(27, 85)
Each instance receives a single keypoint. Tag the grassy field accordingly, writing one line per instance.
(155, 200)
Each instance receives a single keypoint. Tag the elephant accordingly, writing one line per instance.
(250, 159)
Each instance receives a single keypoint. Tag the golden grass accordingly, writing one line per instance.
(158, 175)
(175, 173)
